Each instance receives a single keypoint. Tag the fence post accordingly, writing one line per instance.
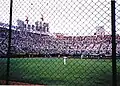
(114, 70)
(9, 44)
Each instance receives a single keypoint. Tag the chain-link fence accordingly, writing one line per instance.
(4, 24)
(117, 37)
(58, 42)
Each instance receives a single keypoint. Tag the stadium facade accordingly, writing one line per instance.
(37, 39)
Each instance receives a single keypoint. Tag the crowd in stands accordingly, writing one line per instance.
(28, 42)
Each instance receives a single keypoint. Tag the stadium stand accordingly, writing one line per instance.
(26, 42)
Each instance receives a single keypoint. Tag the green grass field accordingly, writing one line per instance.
(52, 71)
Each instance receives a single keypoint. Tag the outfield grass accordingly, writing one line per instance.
(52, 71)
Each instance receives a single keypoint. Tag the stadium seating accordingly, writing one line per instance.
(28, 42)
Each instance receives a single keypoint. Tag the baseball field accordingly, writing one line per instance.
(53, 71)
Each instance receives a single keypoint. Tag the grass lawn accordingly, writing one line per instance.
(52, 71)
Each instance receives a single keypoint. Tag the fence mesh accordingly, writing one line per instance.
(4, 24)
(117, 37)
(56, 42)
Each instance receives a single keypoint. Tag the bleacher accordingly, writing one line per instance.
(28, 42)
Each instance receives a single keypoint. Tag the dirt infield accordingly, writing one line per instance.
(3, 82)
